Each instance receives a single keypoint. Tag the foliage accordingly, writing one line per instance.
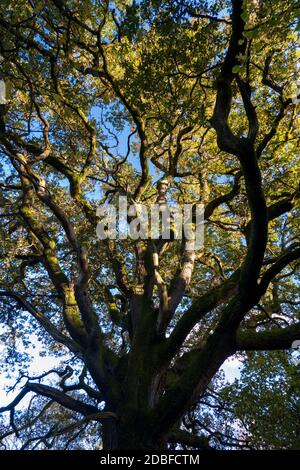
(107, 99)
(266, 400)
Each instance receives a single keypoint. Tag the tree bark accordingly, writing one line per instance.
(130, 434)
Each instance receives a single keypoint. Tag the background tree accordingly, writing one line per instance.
(105, 99)
(266, 400)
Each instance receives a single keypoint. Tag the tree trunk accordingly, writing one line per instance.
(109, 434)
(127, 436)
(131, 431)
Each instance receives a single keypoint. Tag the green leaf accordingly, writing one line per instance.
(251, 34)
(245, 16)
(238, 68)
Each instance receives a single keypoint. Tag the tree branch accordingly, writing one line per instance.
(59, 397)
(54, 332)
(191, 440)
(277, 338)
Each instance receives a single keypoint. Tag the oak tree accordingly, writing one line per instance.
(110, 98)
